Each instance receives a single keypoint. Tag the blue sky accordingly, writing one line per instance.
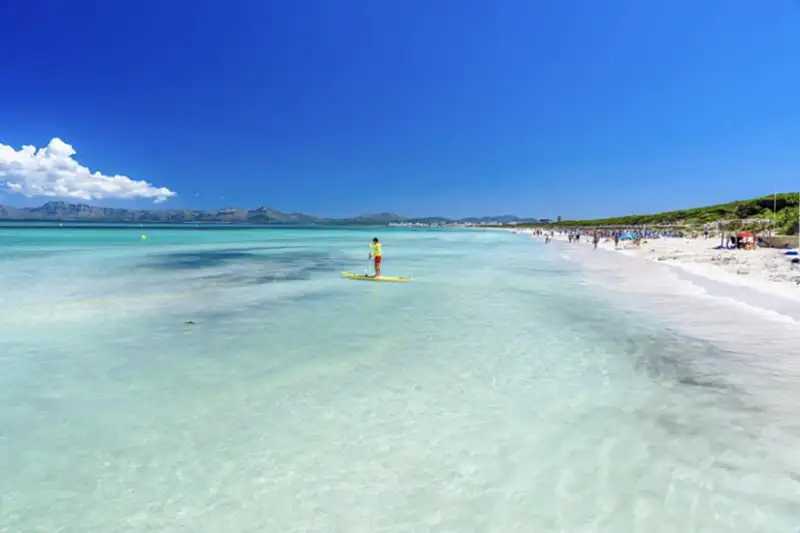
(451, 107)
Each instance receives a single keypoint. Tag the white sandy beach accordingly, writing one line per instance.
(764, 270)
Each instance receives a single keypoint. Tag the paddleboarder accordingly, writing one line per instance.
(376, 254)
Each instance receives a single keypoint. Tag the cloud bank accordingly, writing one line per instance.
(53, 171)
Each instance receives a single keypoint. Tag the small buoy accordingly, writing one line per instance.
(144, 237)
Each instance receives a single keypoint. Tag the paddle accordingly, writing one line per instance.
(369, 265)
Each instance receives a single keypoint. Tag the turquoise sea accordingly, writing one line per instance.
(512, 387)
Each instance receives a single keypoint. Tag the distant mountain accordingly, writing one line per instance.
(428, 220)
(68, 212)
(7, 212)
(502, 219)
(486, 221)
(385, 218)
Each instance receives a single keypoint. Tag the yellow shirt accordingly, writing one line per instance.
(376, 250)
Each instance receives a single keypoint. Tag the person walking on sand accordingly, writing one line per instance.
(595, 239)
(376, 254)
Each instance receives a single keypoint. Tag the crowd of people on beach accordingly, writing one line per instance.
(688, 246)
(595, 236)
(636, 237)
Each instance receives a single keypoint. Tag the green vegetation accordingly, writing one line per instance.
(785, 216)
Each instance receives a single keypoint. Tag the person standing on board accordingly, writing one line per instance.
(376, 254)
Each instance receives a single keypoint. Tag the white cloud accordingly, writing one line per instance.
(53, 171)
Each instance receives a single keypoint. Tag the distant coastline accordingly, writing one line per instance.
(63, 212)
(211, 226)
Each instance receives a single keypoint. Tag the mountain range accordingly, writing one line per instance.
(68, 212)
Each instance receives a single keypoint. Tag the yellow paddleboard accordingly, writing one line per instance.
(352, 275)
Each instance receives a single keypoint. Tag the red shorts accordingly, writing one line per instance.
(378, 259)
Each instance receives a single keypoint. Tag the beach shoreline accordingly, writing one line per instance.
(763, 278)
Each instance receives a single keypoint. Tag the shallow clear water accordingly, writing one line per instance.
(508, 388)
